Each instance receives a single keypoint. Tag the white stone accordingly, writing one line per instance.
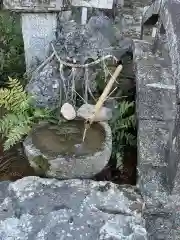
(68, 111)
(86, 111)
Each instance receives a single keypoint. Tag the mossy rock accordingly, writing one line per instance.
(42, 164)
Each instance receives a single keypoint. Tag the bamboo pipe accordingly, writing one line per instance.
(102, 98)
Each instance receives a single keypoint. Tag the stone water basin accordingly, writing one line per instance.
(57, 150)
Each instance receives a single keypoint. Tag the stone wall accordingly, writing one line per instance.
(157, 77)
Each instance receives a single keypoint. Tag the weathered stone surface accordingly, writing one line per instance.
(49, 209)
(151, 10)
(153, 141)
(163, 222)
(38, 31)
(33, 5)
(156, 96)
(101, 36)
(53, 5)
(159, 170)
(88, 42)
(131, 16)
(73, 166)
(170, 18)
(73, 44)
(107, 4)
(160, 224)
(156, 109)
(157, 103)
(86, 111)
(3, 190)
(46, 87)
(153, 184)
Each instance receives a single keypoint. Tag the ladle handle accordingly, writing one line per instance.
(105, 93)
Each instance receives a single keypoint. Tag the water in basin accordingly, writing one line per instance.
(66, 139)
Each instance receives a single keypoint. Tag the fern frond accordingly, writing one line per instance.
(126, 123)
(132, 120)
(7, 122)
(14, 83)
(4, 94)
(15, 135)
(22, 114)
(122, 124)
(14, 97)
(42, 113)
(24, 105)
(10, 120)
(125, 107)
(130, 139)
(122, 109)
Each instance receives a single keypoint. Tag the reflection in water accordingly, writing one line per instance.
(13, 164)
(66, 139)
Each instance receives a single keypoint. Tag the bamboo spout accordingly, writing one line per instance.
(102, 99)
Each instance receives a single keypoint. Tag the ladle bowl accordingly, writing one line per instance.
(57, 153)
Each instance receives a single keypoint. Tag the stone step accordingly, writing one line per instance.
(154, 84)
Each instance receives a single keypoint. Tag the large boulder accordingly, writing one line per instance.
(36, 208)
(80, 44)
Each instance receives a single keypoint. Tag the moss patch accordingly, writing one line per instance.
(42, 164)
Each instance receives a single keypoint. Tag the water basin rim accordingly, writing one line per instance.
(107, 144)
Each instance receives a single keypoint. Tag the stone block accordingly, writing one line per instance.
(174, 158)
(38, 31)
(152, 183)
(33, 5)
(74, 209)
(107, 4)
(153, 141)
(159, 224)
(86, 111)
(169, 15)
(131, 22)
(156, 96)
(156, 101)
(140, 47)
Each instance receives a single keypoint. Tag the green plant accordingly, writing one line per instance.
(123, 125)
(20, 116)
(12, 62)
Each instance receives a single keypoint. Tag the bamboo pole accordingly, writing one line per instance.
(102, 99)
